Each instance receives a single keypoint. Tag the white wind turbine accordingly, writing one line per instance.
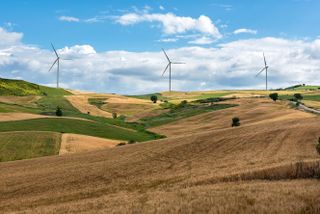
(169, 66)
(266, 67)
(57, 61)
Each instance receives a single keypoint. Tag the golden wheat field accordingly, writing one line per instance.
(267, 165)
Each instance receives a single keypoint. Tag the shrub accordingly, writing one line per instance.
(298, 96)
(183, 103)
(318, 146)
(121, 144)
(131, 141)
(88, 112)
(114, 115)
(235, 121)
(274, 96)
(154, 98)
(59, 112)
(297, 104)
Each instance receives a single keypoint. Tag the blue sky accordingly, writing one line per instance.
(39, 22)
(100, 33)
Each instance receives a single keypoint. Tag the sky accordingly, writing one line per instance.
(115, 45)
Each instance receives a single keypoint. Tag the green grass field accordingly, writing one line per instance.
(148, 96)
(24, 145)
(77, 127)
(99, 102)
(182, 112)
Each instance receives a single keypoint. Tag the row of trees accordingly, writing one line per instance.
(296, 97)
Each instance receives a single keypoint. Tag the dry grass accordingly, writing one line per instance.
(23, 100)
(81, 103)
(74, 143)
(16, 116)
(312, 104)
(189, 172)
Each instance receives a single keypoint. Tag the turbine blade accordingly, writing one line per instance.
(166, 55)
(54, 50)
(165, 69)
(260, 71)
(179, 63)
(265, 62)
(53, 64)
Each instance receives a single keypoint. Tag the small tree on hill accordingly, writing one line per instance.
(235, 121)
(298, 96)
(114, 115)
(154, 98)
(59, 112)
(274, 96)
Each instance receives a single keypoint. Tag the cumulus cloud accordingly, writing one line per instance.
(69, 19)
(245, 30)
(173, 24)
(228, 66)
(9, 38)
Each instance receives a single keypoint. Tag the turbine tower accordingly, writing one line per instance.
(57, 61)
(266, 69)
(170, 67)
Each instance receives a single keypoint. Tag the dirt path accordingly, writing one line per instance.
(81, 103)
(75, 143)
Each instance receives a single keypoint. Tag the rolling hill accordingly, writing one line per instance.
(269, 164)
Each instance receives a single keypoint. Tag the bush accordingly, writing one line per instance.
(318, 146)
(114, 115)
(183, 103)
(154, 98)
(298, 96)
(121, 144)
(131, 141)
(59, 112)
(235, 121)
(274, 96)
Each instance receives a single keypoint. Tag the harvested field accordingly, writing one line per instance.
(194, 172)
(74, 143)
(23, 100)
(16, 116)
(81, 103)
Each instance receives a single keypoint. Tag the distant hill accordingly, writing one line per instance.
(23, 88)
(303, 87)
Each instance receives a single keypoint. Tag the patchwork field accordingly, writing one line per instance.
(179, 155)
(268, 164)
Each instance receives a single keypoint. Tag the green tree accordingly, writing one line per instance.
(274, 96)
(235, 121)
(59, 112)
(298, 96)
(154, 98)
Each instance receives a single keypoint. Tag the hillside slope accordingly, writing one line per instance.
(195, 172)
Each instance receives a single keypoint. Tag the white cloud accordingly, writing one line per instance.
(245, 30)
(69, 19)
(161, 7)
(173, 24)
(9, 38)
(228, 66)
(202, 41)
(168, 40)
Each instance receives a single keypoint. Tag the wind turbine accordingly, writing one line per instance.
(266, 69)
(169, 66)
(57, 61)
